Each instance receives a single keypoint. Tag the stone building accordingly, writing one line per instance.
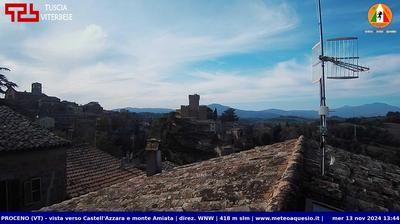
(36, 95)
(46, 122)
(31, 103)
(194, 110)
(38, 168)
(32, 164)
(68, 119)
(92, 107)
(279, 177)
(36, 88)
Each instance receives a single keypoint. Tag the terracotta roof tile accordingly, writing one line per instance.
(90, 169)
(241, 181)
(19, 133)
(352, 182)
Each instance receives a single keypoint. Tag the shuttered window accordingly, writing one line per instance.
(36, 185)
(32, 190)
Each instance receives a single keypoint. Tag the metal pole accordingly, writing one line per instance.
(322, 94)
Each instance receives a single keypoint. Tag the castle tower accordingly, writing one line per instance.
(194, 102)
(36, 88)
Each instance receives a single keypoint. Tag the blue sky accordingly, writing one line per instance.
(245, 54)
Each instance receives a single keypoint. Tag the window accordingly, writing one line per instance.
(32, 190)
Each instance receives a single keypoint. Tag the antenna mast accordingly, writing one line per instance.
(340, 62)
(323, 110)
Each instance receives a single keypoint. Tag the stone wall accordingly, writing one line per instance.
(49, 165)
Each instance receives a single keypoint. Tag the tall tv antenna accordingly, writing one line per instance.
(340, 61)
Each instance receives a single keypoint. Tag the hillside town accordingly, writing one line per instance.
(261, 111)
(60, 156)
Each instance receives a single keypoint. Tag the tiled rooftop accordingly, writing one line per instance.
(19, 133)
(275, 177)
(90, 169)
(352, 182)
(257, 179)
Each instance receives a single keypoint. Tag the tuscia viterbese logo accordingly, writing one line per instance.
(19, 12)
(27, 12)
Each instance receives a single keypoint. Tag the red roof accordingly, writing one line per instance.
(90, 169)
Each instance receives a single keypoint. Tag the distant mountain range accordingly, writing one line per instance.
(366, 110)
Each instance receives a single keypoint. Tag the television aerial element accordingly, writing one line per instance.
(340, 61)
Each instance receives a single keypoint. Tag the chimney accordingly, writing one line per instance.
(153, 160)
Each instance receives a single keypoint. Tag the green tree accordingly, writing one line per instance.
(277, 133)
(265, 139)
(4, 81)
(229, 115)
(393, 117)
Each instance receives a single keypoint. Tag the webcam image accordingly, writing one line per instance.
(199, 106)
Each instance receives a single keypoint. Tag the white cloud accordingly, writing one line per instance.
(383, 64)
(286, 81)
(129, 67)
(240, 27)
(381, 81)
(122, 61)
(61, 46)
